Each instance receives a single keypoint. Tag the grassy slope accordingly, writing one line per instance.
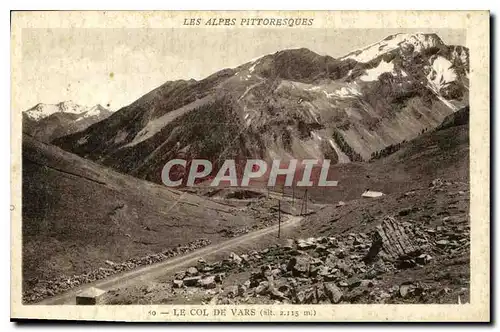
(77, 214)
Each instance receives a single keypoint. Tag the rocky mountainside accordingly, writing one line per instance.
(291, 104)
(47, 122)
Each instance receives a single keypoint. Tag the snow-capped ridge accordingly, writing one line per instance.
(416, 42)
(41, 111)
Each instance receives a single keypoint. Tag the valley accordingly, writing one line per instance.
(392, 118)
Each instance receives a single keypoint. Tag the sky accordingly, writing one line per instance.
(114, 67)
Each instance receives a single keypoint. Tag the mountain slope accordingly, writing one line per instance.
(439, 153)
(291, 104)
(77, 215)
(47, 122)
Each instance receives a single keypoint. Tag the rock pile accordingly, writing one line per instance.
(347, 269)
(205, 276)
(45, 289)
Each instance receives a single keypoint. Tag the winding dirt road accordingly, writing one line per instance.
(171, 265)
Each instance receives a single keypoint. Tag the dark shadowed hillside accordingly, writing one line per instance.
(77, 215)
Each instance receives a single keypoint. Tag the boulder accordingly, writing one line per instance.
(275, 273)
(343, 283)
(344, 268)
(177, 283)
(289, 244)
(332, 242)
(442, 243)
(262, 288)
(274, 293)
(392, 242)
(366, 283)
(191, 281)
(192, 271)
(266, 271)
(404, 290)
(235, 258)
(340, 253)
(207, 282)
(436, 183)
(323, 270)
(311, 296)
(321, 248)
(423, 259)
(206, 268)
(220, 276)
(245, 258)
(306, 244)
(231, 291)
(300, 297)
(241, 290)
(299, 265)
(353, 282)
(333, 292)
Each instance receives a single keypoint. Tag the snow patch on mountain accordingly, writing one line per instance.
(96, 110)
(316, 136)
(83, 140)
(252, 68)
(71, 107)
(313, 88)
(343, 158)
(41, 111)
(441, 73)
(348, 91)
(344, 92)
(372, 74)
(408, 42)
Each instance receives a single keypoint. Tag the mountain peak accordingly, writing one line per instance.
(41, 110)
(408, 42)
(299, 64)
(67, 103)
(298, 51)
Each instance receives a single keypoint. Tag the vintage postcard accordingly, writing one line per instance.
(312, 166)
